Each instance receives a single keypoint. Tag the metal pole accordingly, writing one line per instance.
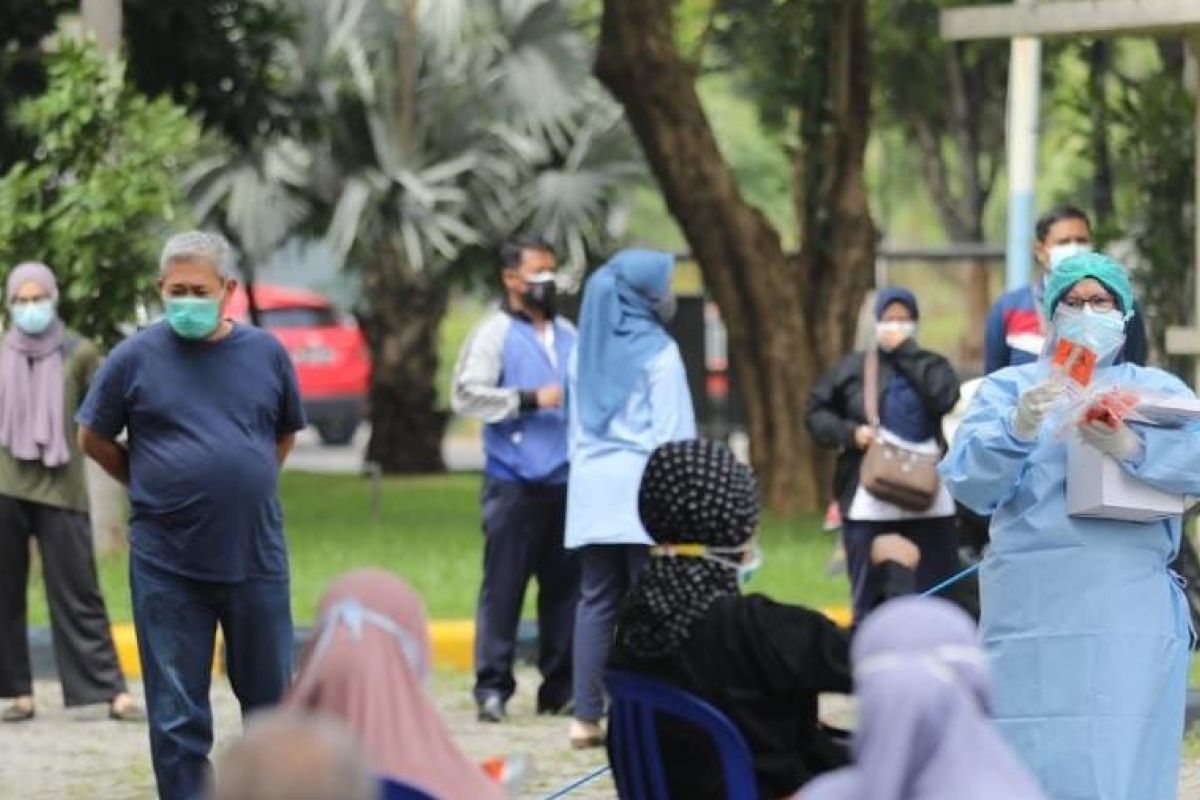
(1024, 83)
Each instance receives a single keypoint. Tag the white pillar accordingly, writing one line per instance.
(1024, 84)
(102, 18)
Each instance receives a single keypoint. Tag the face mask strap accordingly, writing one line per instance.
(354, 615)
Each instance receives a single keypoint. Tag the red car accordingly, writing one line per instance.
(332, 362)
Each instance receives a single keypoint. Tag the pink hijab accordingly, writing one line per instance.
(367, 666)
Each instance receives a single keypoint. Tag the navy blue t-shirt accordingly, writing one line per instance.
(203, 421)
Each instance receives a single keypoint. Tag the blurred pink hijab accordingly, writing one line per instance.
(367, 666)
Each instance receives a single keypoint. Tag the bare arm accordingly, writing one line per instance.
(110, 455)
(283, 446)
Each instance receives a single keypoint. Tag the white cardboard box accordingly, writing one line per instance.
(1098, 487)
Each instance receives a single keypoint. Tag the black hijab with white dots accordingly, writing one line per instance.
(695, 492)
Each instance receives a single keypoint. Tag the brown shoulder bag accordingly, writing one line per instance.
(892, 472)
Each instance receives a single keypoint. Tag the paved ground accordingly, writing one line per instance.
(80, 755)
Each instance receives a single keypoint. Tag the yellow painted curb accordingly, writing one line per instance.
(452, 642)
(125, 640)
(842, 615)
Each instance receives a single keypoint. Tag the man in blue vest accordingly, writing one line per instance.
(511, 374)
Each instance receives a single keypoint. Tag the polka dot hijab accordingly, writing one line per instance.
(692, 492)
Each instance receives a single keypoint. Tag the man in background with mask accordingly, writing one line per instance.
(1016, 329)
(510, 374)
(211, 410)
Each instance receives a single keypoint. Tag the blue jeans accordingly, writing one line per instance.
(176, 620)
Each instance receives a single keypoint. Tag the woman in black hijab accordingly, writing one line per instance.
(760, 662)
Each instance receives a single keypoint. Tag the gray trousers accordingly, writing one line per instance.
(83, 646)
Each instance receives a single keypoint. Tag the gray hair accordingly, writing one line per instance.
(200, 245)
(294, 755)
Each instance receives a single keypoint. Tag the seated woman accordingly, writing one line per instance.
(760, 662)
(368, 666)
(923, 731)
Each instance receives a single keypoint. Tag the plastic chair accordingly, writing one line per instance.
(633, 738)
(395, 790)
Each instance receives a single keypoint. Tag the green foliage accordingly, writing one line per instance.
(23, 26)
(227, 60)
(93, 199)
(1158, 113)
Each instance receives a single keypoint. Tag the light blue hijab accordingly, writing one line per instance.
(618, 331)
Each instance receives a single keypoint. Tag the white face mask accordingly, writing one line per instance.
(1061, 252)
(745, 567)
(906, 327)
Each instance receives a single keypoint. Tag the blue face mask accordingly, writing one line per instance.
(34, 318)
(193, 317)
(1102, 332)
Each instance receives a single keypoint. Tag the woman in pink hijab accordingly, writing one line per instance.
(368, 665)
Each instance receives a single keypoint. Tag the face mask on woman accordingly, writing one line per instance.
(1102, 332)
(894, 332)
(33, 318)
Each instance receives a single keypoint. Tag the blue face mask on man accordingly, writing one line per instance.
(193, 317)
(34, 318)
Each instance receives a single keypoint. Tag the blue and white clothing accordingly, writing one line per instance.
(504, 362)
(1084, 623)
(606, 468)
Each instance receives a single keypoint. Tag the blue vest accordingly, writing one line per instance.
(531, 448)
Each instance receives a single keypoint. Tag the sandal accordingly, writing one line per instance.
(17, 713)
(129, 712)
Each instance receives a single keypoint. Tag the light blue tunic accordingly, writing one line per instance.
(606, 470)
(1085, 625)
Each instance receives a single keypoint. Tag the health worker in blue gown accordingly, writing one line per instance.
(1085, 625)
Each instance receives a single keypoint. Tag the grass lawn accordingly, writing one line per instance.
(428, 531)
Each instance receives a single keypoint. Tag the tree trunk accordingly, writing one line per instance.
(401, 321)
(1103, 177)
(787, 318)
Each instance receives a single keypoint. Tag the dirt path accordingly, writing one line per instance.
(80, 755)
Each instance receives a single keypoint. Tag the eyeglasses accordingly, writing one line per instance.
(26, 301)
(1100, 303)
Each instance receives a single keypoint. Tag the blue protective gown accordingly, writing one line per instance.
(1086, 627)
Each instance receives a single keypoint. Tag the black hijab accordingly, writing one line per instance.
(692, 492)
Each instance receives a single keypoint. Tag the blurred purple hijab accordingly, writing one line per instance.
(923, 731)
(33, 424)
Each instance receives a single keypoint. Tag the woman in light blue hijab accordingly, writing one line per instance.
(627, 395)
(1085, 624)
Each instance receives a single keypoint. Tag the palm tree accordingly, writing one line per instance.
(441, 127)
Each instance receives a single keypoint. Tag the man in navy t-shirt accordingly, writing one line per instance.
(211, 410)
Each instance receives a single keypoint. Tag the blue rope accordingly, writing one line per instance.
(575, 784)
(953, 579)
(596, 773)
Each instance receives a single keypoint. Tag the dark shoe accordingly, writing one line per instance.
(492, 709)
(127, 713)
(562, 710)
(17, 713)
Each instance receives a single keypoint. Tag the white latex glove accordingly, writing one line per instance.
(1034, 404)
(1120, 442)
